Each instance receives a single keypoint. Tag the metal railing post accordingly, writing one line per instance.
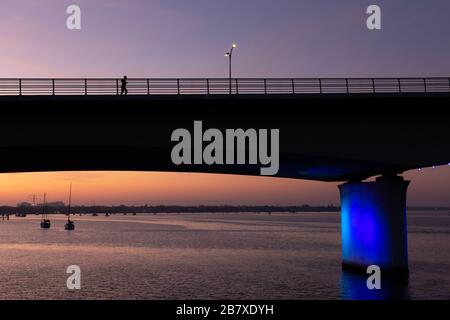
(320, 86)
(373, 85)
(148, 87)
(117, 86)
(85, 87)
(425, 85)
(399, 86)
(237, 86)
(346, 85)
(53, 86)
(448, 84)
(178, 86)
(20, 87)
(265, 86)
(207, 86)
(293, 86)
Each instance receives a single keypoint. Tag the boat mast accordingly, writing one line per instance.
(70, 202)
(43, 207)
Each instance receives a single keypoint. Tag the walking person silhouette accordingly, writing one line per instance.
(124, 90)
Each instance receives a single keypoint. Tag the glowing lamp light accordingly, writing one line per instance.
(234, 45)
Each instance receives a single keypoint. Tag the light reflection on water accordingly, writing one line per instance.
(208, 256)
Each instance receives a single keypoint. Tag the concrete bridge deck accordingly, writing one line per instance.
(333, 137)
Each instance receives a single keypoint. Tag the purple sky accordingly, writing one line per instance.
(187, 38)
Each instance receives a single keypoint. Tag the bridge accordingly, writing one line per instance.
(330, 130)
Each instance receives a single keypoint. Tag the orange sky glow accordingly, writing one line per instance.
(428, 187)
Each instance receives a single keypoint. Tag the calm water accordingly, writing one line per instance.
(208, 256)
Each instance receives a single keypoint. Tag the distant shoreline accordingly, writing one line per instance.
(180, 209)
(163, 209)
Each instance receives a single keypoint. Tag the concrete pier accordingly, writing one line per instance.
(373, 222)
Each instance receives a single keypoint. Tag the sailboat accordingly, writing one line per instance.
(70, 225)
(45, 222)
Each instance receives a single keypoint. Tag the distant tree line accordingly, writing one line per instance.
(62, 209)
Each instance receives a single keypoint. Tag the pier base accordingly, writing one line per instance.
(373, 222)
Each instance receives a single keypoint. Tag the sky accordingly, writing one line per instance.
(188, 38)
(429, 187)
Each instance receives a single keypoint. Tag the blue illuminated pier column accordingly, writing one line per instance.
(373, 222)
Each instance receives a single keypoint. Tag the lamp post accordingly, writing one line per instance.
(229, 55)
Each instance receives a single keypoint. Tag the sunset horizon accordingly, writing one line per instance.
(169, 188)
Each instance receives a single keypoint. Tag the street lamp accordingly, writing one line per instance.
(229, 55)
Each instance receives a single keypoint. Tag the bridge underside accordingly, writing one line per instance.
(322, 137)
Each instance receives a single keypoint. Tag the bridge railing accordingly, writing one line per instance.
(212, 86)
